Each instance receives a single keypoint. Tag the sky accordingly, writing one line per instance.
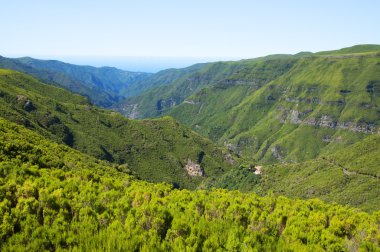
(143, 31)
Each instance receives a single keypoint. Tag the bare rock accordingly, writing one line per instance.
(276, 152)
(294, 117)
(26, 103)
(228, 158)
(258, 170)
(194, 169)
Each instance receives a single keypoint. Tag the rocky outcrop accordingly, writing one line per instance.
(258, 170)
(26, 103)
(294, 117)
(326, 139)
(192, 102)
(134, 112)
(327, 121)
(276, 152)
(129, 110)
(313, 100)
(228, 158)
(194, 169)
(233, 148)
(164, 104)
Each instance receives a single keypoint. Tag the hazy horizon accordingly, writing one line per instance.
(134, 64)
(183, 30)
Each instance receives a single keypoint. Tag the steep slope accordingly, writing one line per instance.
(55, 198)
(350, 176)
(156, 85)
(156, 150)
(321, 104)
(104, 86)
(158, 100)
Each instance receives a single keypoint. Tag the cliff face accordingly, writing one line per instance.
(327, 121)
(194, 169)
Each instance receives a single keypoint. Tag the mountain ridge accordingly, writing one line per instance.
(211, 105)
(156, 150)
(104, 86)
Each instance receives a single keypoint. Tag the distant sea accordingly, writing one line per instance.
(136, 64)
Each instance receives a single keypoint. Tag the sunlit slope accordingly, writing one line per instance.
(55, 198)
(157, 150)
(320, 105)
(350, 176)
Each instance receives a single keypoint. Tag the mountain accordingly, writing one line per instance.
(55, 198)
(104, 86)
(314, 103)
(166, 91)
(156, 150)
(368, 48)
(349, 176)
(319, 105)
(153, 102)
(163, 150)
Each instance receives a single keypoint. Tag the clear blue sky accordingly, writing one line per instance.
(174, 28)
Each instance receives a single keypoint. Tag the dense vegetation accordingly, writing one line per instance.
(166, 94)
(306, 98)
(301, 116)
(320, 105)
(55, 198)
(104, 86)
(156, 150)
(69, 171)
(350, 176)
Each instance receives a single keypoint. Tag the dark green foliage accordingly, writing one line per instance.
(55, 198)
(243, 179)
(157, 150)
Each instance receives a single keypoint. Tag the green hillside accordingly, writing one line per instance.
(149, 104)
(350, 176)
(353, 49)
(159, 99)
(311, 120)
(54, 198)
(319, 105)
(156, 150)
(104, 86)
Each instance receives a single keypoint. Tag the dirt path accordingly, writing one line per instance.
(350, 173)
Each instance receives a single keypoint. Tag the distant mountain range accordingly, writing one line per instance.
(103, 86)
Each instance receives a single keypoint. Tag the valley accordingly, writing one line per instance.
(272, 153)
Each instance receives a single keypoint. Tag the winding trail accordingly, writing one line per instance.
(350, 173)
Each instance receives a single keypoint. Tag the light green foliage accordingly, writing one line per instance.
(289, 103)
(348, 177)
(297, 113)
(156, 150)
(55, 198)
(168, 91)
